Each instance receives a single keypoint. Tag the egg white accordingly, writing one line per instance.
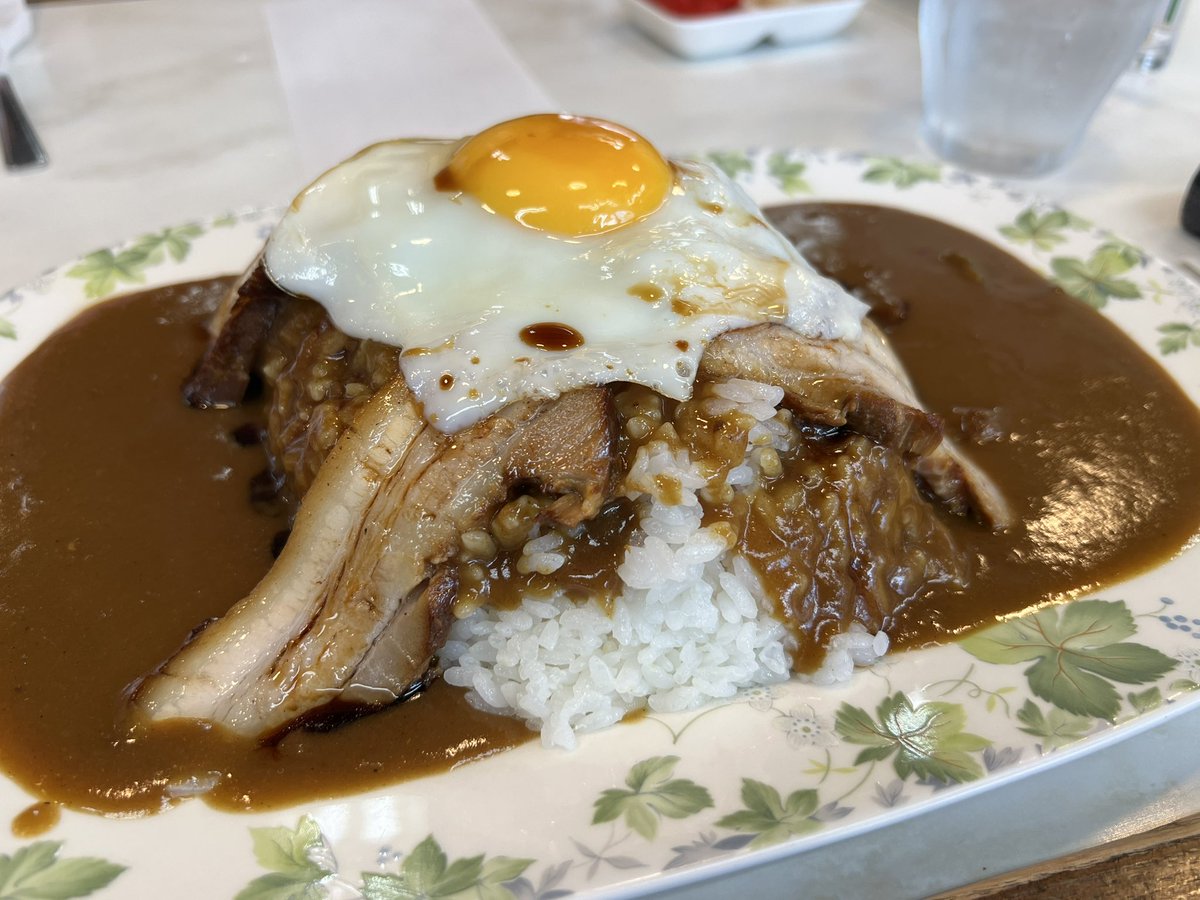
(393, 259)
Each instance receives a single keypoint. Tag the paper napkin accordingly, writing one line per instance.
(359, 71)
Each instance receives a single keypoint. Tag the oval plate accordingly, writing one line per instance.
(673, 799)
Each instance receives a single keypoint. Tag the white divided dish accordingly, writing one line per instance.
(724, 34)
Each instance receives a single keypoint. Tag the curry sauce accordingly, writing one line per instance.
(1096, 448)
(126, 521)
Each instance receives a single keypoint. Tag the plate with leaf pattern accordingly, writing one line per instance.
(669, 799)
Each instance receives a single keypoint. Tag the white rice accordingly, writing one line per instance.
(692, 624)
(538, 555)
(855, 647)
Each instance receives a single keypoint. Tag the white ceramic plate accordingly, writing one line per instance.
(736, 31)
(672, 799)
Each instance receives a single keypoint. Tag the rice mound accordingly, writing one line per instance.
(692, 624)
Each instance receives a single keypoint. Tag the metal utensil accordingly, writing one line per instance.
(21, 146)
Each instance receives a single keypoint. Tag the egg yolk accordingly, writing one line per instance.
(565, 175)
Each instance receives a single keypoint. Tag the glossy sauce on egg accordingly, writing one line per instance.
(552, 336)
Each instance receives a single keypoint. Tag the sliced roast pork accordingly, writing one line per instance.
(860, 385)
(360, 600)
(240, 326)
(358, 603)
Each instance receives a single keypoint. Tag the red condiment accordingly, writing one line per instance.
(696, 7)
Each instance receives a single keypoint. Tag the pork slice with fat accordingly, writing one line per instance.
(240, 325)
(860, 385)
(360, 600)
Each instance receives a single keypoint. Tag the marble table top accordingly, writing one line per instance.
(162, 111)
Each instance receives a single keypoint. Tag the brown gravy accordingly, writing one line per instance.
(36, 819)
(124, 523)
(551, 336)
(1101, 451)
(124, 519)
(589, 573)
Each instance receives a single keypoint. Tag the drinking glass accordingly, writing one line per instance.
(1010, 85)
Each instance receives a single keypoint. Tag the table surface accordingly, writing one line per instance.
(162, 111)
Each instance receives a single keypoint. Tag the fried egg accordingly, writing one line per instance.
(541, 255)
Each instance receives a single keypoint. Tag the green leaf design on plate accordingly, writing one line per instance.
(377, 886)
(788, 174)
(287, 854)
(428, 873)
(769, 817)
(1056, 728)
(36, 873)
(732, 163)
(1126, 251)
(927, 738)
(1077, 650)
(1096, 281)
(103, 270)
(1042, 231)
(652, 794)
(1144, 701)
(7, 329)
(226, 221)
(176, 242)
(903, 174)
(1176, 336)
